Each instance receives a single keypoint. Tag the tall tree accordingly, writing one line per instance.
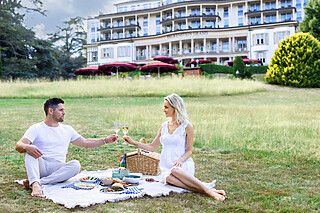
(16, 42)
(311, 21)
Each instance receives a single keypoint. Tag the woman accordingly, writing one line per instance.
(176, 138)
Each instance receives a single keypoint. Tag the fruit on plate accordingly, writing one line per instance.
(149, 179)
(89, 178)
(117, 187)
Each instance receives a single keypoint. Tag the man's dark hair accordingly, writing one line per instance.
(52, 103)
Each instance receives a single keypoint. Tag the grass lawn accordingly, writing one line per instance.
(262, 147)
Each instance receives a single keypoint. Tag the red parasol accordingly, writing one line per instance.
(117, 67)
(248, 61)
(89, 71)
(174, 61)
(166, 59)
(200, 61)
(158, 67)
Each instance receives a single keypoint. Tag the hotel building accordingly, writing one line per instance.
(218, 30)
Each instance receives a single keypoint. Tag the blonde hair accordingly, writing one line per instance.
(180, 109)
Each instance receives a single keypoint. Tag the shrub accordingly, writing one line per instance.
(296, 62)
(214, 68)
(239, 65)
(258, 69)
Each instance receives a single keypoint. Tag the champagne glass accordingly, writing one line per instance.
(125, 130)
(116, 128)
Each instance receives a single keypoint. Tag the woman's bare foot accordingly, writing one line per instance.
(25, 184)
(36, 190)
(212, 193)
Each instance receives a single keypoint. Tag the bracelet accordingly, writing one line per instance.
(104, 141)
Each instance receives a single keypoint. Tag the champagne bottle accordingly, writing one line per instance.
(123, 162)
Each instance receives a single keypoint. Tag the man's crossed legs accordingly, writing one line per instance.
(44, 171)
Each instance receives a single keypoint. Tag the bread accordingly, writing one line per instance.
(118, 186)
(116, 180)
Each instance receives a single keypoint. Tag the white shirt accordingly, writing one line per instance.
(53, 142)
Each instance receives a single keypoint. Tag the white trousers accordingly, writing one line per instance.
(49, 171)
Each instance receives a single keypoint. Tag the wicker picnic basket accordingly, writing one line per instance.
(144, 162)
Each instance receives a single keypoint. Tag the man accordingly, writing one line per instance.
(45, 145)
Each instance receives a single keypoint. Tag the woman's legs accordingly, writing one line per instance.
(183, 179)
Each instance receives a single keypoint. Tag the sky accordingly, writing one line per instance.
(58, 11)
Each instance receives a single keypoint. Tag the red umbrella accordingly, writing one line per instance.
(158, 67)
(163, 58)
(117, 67)
(174, 61)
(247, 61)
(88, 71)
(200, 61)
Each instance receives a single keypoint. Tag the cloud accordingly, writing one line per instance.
(39, 30)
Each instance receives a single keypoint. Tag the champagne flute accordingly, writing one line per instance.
(125, 130)
(117, 127)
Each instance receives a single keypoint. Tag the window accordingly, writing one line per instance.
(242, 45)
(119, 35)
(93, 38)
(145, 31)
(260, 39)
(210, 24)
(120, 9)
(271, 19)
(305, 3)
(181, 13)
(119, 23)
(214, 47)
(240, 10)
(158, 30)
(195, 12)
(225, 46)
(210, 11)
(255, 7)
(286, 3)
(107, 53)
(181, 26)
(145, 21)
(270, 5)
(278, 36)
(286, 16)
(93, 27)
(158, 20)
(226, 12)
(195, 24)
(299, 16)
(125, 9)
(123, 51)
(226, 23)
(145, 6)
(255, 20)
(94, 56)
(133, 7)
(240, 22)
(261, 57)
(298, 4)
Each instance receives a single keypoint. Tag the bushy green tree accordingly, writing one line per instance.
(239, 65)
(311, 21)
(296, 62)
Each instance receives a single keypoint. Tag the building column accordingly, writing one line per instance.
(233, 45)
(170, 48)
(218, 45)
(147, 52)
(218, 60)
(230, 44)
(205, 45)
(180, 47)
(160, 49)
(192, 46)
(134, 53)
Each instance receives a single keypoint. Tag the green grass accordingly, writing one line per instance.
(261, 146)
(191, 87)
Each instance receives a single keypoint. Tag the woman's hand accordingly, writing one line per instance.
(178, 163)
(129, 140)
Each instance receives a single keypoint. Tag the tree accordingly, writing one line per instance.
(239, 65)
(16, 42)
(311, 21)
(296, 62)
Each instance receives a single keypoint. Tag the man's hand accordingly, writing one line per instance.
(33, 151)
(111, 138)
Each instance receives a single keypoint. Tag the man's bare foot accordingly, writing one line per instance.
(25, 184)
(221, 192)
(36, 190)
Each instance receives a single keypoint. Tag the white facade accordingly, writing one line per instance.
(218, 30)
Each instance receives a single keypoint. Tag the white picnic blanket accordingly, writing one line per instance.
(71, 198)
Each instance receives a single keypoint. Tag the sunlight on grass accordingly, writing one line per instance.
(195, 87)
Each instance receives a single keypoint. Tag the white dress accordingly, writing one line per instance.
(173, 148)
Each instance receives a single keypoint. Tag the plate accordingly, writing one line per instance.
(115, 192)
(89, 179)
(85, 185)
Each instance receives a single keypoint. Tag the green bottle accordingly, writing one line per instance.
(123, 162)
